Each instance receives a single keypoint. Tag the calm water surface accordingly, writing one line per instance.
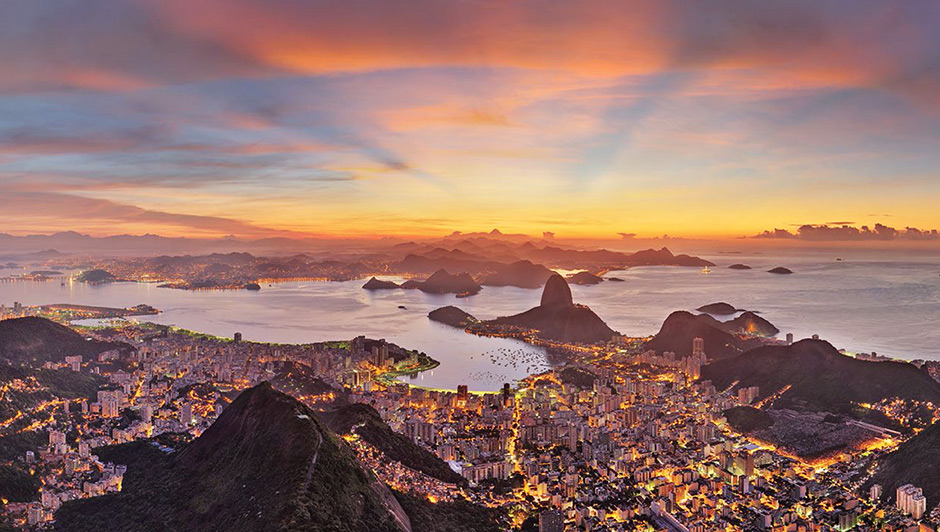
(892, 307)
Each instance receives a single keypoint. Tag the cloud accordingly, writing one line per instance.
(65, 208)
(846, 233)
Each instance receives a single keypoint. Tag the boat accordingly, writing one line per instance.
(706, 269)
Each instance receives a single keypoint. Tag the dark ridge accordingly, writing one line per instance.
(365, 421)
(917, 462)
(266, 464)
(820, 377)
(35, 340)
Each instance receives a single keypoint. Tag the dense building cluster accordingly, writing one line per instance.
(616, 441)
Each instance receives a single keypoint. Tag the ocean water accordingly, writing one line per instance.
(860, 304)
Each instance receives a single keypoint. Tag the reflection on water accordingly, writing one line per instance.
(888, 307)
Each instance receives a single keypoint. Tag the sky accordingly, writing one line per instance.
(369, 117)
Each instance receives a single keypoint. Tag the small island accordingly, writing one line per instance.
(718, 309)
(739, 266)
(780, 270)
(376, 284)
(584, 278)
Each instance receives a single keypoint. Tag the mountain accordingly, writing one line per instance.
(917, 462)
(376, 284)
(366, 422)
(441, 282)
(664, 257)
(558, 318)
(95, 277)
(751, 324)
(266, 464)
(681, 327)
(38, 340)
(820, 377)
(523, 273)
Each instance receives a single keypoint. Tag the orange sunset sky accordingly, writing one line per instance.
(365, 117)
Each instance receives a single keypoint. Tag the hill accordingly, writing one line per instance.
(96, 277)
(820, 377)
(750, 323)
(453, 316)
(558, 318)
(266, 464)
(917, 462)
(38, 340)
(681, 327)
(365, 421)
(441, 282)
(376, 284)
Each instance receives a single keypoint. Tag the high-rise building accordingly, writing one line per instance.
(238, 337)
(462, 392)
(911, 501)
(698, 346)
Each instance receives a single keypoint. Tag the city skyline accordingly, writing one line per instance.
(359, 119)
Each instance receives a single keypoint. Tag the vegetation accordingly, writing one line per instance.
(748, 419)
(917, 462)
(370, 427)
(17, 484)
(37, 340)
(457, 516)
(266, 464)
(821, 378)
(577, 376)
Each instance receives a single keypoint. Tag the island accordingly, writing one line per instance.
(780, 270)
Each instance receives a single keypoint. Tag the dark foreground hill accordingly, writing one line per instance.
(366, 422)
(266, 464)
(917, 462)
(38, 340)
(820, 377)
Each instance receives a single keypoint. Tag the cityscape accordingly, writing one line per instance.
(469, 266)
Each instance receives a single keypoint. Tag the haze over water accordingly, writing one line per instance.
(891, 307)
